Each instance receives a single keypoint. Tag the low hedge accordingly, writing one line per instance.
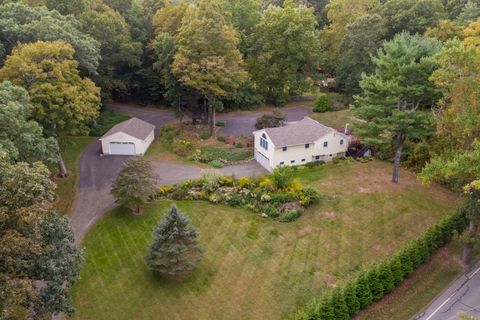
(377, 280)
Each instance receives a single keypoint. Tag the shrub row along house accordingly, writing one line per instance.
(298, 143)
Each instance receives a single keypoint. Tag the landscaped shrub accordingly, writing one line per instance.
(259, 194)
(322, 103)
(220, 123)
(204, 135)
(221, 138)
(168, 134)
(374, 282)
(238, 144)
(216, 163)
(281, 176)
(183, 148)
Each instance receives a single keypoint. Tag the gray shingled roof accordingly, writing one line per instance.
(134, 127)
(296, 133)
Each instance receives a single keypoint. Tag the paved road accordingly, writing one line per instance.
(462, 296)
(97, 173)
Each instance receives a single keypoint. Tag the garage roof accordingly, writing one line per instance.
(134, 127)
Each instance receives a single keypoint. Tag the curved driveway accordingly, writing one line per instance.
(97, 173)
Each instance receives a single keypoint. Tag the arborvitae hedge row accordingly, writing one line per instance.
(377, 280)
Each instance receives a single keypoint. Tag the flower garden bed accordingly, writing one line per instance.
(276, 196)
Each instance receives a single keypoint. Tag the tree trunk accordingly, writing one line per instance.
(467, 249)
(62, 169)
(398, 156)
(211, 112)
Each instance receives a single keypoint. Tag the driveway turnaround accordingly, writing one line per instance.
(462, 296)
(97, 173)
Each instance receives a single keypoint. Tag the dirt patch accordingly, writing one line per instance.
(307, 230)
(331, 281)
(364, 190)
(330, 215)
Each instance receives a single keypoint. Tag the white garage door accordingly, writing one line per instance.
(124, 148)
(263, 160)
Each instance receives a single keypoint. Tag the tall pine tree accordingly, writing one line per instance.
(174, 252)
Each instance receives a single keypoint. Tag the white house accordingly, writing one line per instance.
(298, 143)
(131, 137)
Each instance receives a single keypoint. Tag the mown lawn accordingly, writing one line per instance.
(335, 119)
(67, 187)
(255, 268)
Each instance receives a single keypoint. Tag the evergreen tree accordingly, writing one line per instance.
(174, 252)
(385, 276)
(340, 308)
(326, 309)
(395, 95)
(351, 300)
(375, 284)
(363, 291)
(134, 184)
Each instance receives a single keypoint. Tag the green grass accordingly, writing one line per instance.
(228, 154)
(67, 187)
(255, 268)
(107, 119)
(335, 119)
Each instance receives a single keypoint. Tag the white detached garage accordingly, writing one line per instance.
(131, 137)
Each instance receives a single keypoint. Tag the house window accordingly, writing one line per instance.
(325, 144)
(284, 149)
(292, 162)
(264, 142)
(282, 163)
(317, 157)
(341, 141)
(307, 146)
(303, 160)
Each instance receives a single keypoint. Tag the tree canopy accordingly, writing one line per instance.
(64, 102)
(22, 138)
(21, 23)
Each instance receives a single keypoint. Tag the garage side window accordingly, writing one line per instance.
(264, 142)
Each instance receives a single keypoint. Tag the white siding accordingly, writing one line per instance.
(299, 154)
(140, 146)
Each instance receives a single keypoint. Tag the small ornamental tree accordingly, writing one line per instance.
(134, 184)
(174, 252)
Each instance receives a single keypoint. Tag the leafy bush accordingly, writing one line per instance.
(168, 134)
(204, 135)
(376, 281)
(183, 148)
(322, 103)
(106, 120)
(221, 138)
(275, 119)
(238, 144)
(290, 216)
(220, 123)
(216, 163)
(281, 176)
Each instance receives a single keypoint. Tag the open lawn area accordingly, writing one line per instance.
(255, 268)
(335, 119)
(66, 187)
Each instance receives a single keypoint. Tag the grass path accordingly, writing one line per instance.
(256, 268)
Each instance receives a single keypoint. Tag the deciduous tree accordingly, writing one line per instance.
(285, 51)
(21, 23)
(174, 252)
(207, 57)
(393, 96)
(21, 138)
(64, 103)
(134, 184)
(362, 39)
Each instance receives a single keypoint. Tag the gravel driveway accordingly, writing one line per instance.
(97, 173)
